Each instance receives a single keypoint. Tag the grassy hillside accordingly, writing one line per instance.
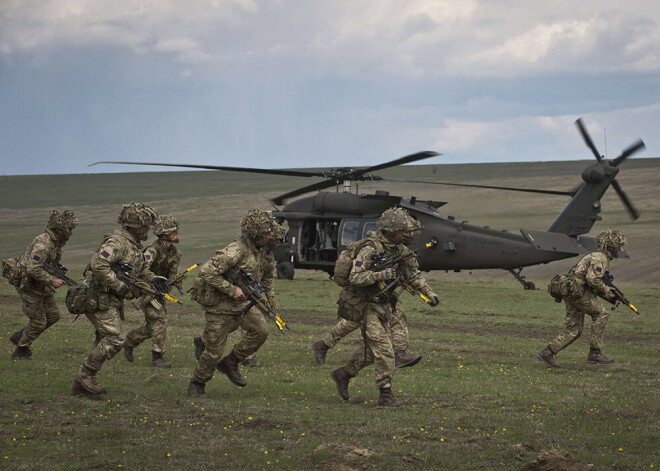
(210, 205)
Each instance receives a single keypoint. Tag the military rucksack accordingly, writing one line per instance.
(565, 287)
(344, 262)
(12, 271)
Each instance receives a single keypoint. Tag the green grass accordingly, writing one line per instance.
(478, 400)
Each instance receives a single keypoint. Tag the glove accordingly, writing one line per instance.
(161, 284)
(128, 292)
(387, 274)
(434, 300)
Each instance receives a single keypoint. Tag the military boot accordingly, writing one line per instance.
(128, 353)
(547, 357)
(22, 353)
(595, 356)
(199, 347)
(158, 360)
(86, 377)
(196, 389)
(341, 378)
(16, 337)
(320, 351)
(402, 359)
(251, 363)
(386, 398)
(229, 366)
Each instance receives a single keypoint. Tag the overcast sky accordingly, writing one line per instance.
(307, 83)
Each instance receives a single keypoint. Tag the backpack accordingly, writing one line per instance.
(12, 271)
(565, 287)
(344, 262)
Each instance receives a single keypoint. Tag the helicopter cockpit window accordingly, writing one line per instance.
(369, 226)
(350, 232)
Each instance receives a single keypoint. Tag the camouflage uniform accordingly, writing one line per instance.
(250, 360)
(122, 246)
(374, 308)
(36, 287)
(161, 259)
(225, 314)
(588, 273)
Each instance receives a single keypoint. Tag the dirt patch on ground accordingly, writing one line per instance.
(346, 451)
(555, 460)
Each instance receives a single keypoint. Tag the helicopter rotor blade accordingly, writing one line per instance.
(587, 139)
(527, 190)
(278, 200)
(291, 173)
(400, 161)
(625, 200)
(635, 147)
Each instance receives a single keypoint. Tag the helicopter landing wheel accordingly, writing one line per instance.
(285, 271)
(529, 285)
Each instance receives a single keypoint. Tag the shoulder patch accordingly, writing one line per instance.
(36, 257)
(599, 269)
(104, 254)
(358, 263)
(147, 256)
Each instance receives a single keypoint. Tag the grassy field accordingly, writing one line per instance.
(478, 400)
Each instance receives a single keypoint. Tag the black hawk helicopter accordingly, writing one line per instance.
(321, 226)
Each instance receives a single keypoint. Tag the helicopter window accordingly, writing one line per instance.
(369, 226)
(350, 232)
(318, 240)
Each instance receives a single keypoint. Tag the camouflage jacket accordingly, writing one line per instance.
(589, 272)
(162, 260)
(44, 248)
(364, 282)
(241, 253)
(119, 246)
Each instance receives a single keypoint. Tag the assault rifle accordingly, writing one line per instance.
(619, 297)
(179, 277)
(124, 271)
(255, 292)
(59, 271)
(382, 262)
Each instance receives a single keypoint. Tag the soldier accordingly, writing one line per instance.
(588, 274)
(162, 258)
(224, 303)
(249, 361)
(121, 246)
(365, 300)
(37, 287)
(398, 325)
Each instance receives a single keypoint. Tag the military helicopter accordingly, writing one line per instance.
(321, 226)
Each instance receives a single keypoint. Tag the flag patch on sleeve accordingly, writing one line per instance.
(36, 257)
(147, 256)
(358, 264)
(105, 254)
(599, 269)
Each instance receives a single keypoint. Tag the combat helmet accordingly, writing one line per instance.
(398, 219)
(610, 238)
(165, 225)
(63, 220)
(257, 222)
(137, 215)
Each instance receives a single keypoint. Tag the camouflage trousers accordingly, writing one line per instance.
(42, 311)
(575, 312)
(398, 325)
(216, 330)
(110, 337)
(376, 347)
(154, 327)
